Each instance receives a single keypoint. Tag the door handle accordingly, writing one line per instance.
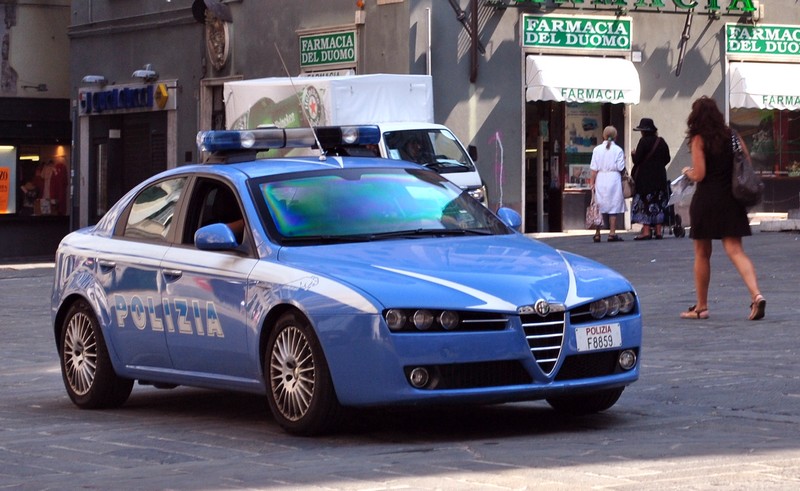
(106, 265)
(172, 274)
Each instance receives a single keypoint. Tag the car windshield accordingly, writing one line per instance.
(434, 148)
(371, 204)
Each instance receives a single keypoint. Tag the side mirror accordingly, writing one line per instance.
(472, 150)
(215, 237)
(510, 217)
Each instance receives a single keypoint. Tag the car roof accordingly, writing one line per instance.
(267, 167)
(286, 165)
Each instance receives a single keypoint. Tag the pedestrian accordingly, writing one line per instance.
(608, 160)
(714, 213)
(651, 199)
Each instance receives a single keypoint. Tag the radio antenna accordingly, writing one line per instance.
(322, 155)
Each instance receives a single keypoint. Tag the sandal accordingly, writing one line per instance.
(596, 238)
(693, 313)
(643, 237)
(758, 308)
(614, 238)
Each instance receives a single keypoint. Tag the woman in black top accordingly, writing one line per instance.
(649, 171)
(714, 212)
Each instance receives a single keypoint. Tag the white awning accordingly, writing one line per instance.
(581, 79)
(765, 85)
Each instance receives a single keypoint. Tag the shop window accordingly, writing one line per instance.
(773, 138)
(34, 180)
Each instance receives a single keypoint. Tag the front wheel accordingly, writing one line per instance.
(591, 402)
(300, 391)
(89, 377)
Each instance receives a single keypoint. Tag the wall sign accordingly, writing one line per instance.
(328, 49)
(575, 32)
(774, 40)
(126, 98)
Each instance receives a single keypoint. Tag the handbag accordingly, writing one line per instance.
(594, 218)
(746, 185)
(628, 184)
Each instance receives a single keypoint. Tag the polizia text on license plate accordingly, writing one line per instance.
(598, 337)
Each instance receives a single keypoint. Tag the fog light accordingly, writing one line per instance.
(419, 377)
(423, 319)
(627, 359)
(448, 319)
(395, 319)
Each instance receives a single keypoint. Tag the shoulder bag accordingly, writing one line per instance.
(746, 185)
(628, 184)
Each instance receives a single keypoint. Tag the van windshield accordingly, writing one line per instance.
(434, 148)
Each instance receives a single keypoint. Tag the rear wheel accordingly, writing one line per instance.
(300, 391)
(592, 402)
(86, 368)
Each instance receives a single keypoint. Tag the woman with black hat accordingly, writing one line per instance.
(650, 174)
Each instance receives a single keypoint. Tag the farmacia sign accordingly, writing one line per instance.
(574, 32)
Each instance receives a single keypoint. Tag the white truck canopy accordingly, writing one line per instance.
(345, 100)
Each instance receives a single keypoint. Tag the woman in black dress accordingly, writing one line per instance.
(714, 213)
(650, 160)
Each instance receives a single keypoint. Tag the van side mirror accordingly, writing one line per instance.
(472, 150)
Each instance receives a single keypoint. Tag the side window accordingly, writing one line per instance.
(152, 211)
(213, 202)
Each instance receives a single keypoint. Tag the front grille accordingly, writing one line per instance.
(545, 336)
(475, 375)
(598, 364)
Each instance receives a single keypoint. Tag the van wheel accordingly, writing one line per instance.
(89, 377)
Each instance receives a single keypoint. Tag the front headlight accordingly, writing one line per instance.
(612, 306)
(622, 303)
(478, 193)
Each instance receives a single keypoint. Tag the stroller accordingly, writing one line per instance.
(673, 222)
(681, 190)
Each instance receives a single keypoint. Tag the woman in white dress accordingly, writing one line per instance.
(608, 160)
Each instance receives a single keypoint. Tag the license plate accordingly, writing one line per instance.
(594, 338)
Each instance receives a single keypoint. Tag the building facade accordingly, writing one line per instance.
(35, 129)
(530, 83)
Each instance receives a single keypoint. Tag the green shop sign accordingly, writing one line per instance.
(328, 49)
(729, 6)
(593, 33)
(762, 39)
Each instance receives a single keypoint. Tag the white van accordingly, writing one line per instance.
(400, 105)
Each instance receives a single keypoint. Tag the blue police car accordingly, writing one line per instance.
(330, 282)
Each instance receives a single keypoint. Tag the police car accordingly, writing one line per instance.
(331, 282)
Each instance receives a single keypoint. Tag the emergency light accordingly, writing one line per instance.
(265, 139)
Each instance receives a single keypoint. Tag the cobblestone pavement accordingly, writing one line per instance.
(717, 407)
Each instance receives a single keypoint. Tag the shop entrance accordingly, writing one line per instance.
(560, 136)
(126, 149)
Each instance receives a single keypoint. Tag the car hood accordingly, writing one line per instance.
(498, 273)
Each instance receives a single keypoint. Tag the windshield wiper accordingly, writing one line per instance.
(395, 234)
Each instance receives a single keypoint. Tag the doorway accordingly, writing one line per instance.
(564, 135)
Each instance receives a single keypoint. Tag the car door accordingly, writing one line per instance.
(206, 292)
(128, 270)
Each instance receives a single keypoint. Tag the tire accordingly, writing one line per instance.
(86, 369)
(299, 387)
(592, 402)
